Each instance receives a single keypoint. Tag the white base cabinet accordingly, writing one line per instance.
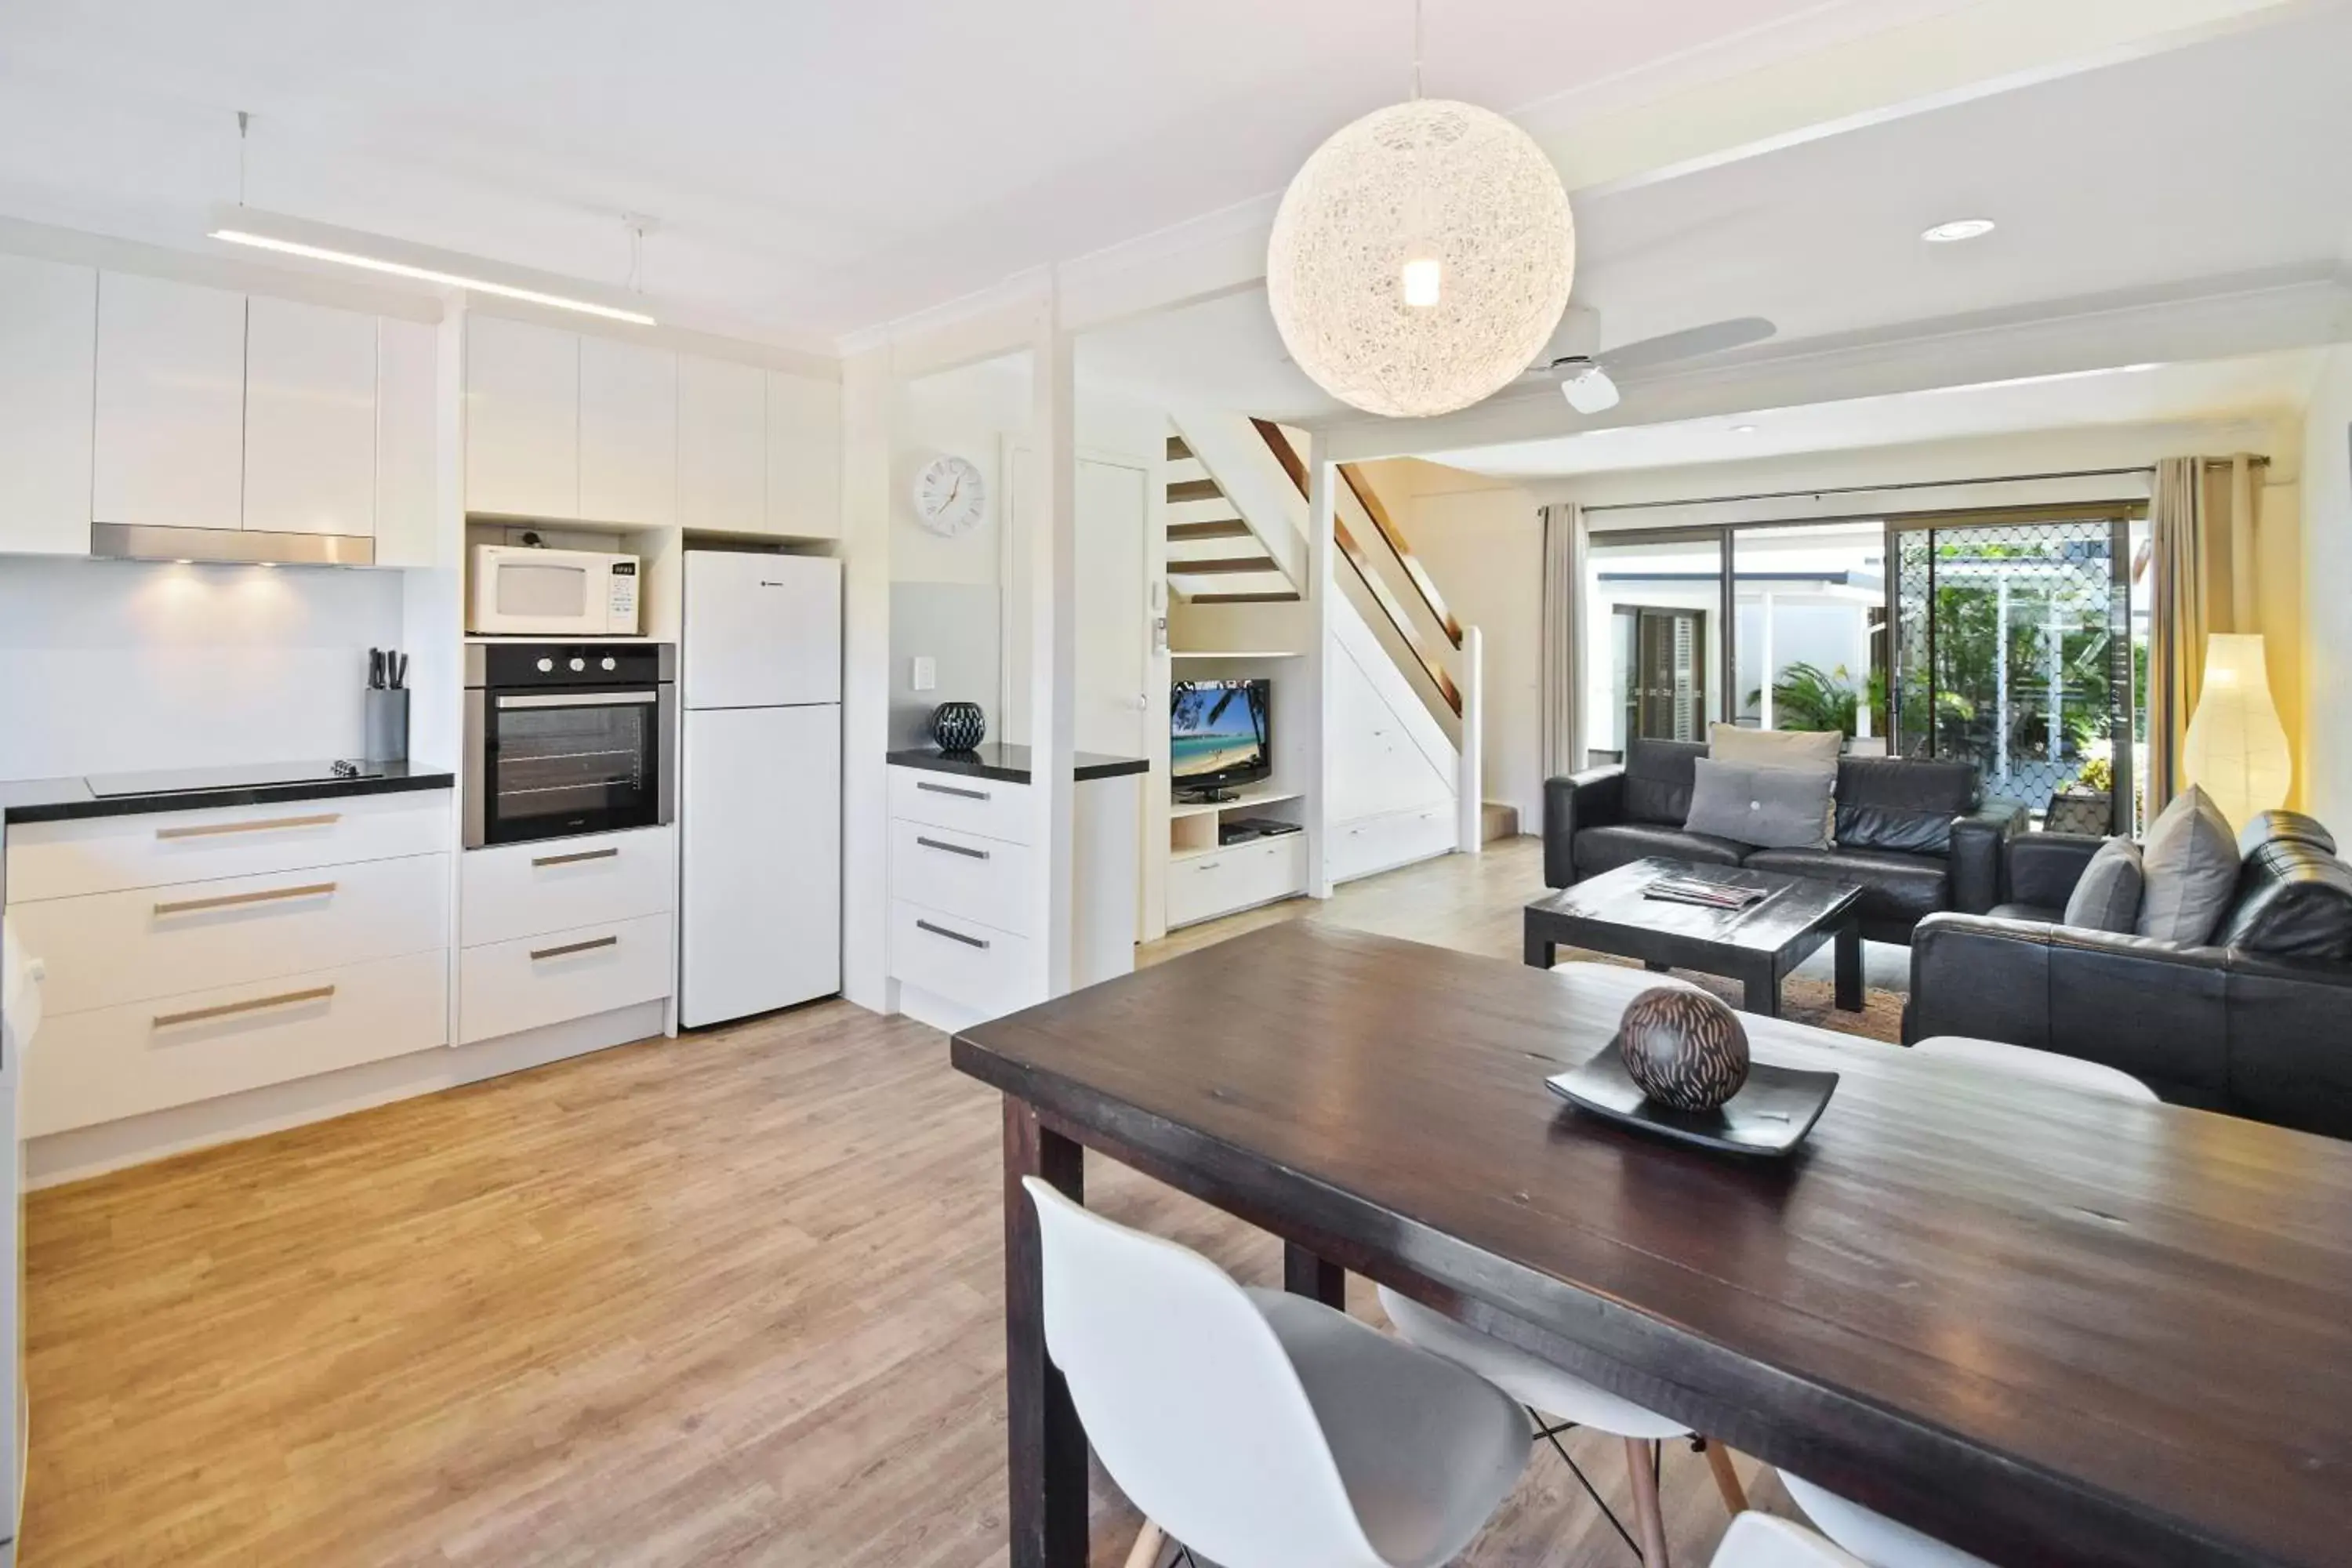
(564, 929)
(1394, 838)
(505, 987)
(1241, 877)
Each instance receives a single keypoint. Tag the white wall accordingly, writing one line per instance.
(109, 666)
(2326, 739)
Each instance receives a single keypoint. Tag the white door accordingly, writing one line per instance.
(49, 359)
(761, 880)
(309, 418)
(169, 441)
(1114, 615)
(760, 630)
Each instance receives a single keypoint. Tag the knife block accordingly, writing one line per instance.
(384, 725)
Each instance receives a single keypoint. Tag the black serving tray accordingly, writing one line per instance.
(1768, 1117)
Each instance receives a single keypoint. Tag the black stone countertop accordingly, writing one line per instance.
(60, 800)
(1009, 765)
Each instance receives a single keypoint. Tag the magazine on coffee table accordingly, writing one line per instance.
(1707, 895)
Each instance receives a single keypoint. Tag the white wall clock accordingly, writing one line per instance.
(950, 496)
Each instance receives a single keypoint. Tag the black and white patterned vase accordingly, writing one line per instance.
(1685, 1048)
(958, 726)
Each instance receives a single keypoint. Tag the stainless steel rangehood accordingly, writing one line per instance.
(233, 546)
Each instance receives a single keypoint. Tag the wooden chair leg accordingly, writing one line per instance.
(1726, 1480)
(1649, 1523)
(1147, 1541)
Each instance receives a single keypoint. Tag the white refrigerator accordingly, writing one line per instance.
(760, 785)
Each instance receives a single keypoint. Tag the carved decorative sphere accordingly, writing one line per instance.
(1685, 1048)
(1421, 199)
(959, 726)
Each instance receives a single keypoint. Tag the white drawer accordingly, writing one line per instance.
(990, 807)
(106, 853)
(983, 880)
(966, 962)
(1257, 872)
(107, 949)
(561, 974)
(113, 1062)
(1394, 838)
(522, 889)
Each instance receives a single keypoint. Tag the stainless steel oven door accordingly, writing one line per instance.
(552, 764)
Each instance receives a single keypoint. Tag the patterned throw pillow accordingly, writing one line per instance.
(1772, 808)
(2107, 897)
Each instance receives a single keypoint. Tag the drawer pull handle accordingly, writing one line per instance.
(228, 901)
(951, 848)
(950, 935)
(572, 947)
(950, 789)
(286, 999)
(573, 859)
(207, 830)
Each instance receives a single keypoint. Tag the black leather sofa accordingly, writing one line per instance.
(2258, 1023)
(1913, 835)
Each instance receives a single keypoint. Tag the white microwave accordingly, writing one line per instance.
(526, 591)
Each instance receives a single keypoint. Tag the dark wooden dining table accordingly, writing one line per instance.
(2045, 1326)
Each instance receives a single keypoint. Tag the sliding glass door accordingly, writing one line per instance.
(1810, 603)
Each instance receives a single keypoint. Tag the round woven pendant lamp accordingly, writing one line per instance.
(1420, 258)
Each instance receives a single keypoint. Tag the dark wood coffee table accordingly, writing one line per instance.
(1757, 946)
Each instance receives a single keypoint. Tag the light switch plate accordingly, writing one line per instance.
(925, 676)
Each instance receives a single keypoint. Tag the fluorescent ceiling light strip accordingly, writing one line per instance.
(228, 225)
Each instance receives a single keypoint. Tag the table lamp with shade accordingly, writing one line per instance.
(2236, 749)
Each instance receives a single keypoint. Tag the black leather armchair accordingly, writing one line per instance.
(2258, 1023)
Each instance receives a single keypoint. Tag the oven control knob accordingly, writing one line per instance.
(545, 664)
(579, 664)
(611, 663)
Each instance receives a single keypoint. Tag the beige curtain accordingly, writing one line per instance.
(1563, 738)
(2203, 523)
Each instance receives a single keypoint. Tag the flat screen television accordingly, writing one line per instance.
(1220, 734)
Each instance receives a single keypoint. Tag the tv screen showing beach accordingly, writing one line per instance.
(1216, 726)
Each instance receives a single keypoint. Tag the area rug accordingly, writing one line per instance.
(1803, 1000)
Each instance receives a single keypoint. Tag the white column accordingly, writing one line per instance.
(1764, 719)
(869, 414)
(1053, 657)
(1322, 481)
(1469, 781)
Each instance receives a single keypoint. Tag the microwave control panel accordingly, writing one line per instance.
(621, 606)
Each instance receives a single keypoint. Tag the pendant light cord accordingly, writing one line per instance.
(1416, 49)
(243, 119)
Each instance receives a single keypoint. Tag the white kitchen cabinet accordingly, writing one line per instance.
(522, 419)
(169, 447)
(1202, 886)
(309, 418)
(407, 368)
(804, 456)
(722, 444)
(510, 890)
(48, 359)
(505, 987)
(628, 433)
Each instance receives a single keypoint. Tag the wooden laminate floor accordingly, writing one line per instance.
(728, 1299)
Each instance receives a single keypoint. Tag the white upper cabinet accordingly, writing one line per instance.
(48, 329)
(309, 418)
(722, 444)
(522, 419)
(804, 456)
(169, 447)
(628, 433)
(406, 376)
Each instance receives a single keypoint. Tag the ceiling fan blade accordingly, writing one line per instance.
(1715, 338)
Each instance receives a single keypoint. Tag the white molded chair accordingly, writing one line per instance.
(2042, 1067)
(1761, 1540)
(1559, 1400)
(1878, 1541)
(1260, 1429)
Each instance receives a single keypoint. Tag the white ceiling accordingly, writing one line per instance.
(816, 166)
(2151, 395)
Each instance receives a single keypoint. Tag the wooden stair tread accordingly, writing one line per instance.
(1222, 565)
(1245, 598)
(1183, 491)
(1177, 451)
(1224, 528)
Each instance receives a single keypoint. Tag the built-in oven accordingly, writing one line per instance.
(568, 738)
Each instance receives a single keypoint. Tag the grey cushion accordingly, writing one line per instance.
(2108, 896)
(2190, 867)
(1775, 808)
(1806, 750)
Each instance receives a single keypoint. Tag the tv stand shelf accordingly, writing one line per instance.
(1244, 800)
